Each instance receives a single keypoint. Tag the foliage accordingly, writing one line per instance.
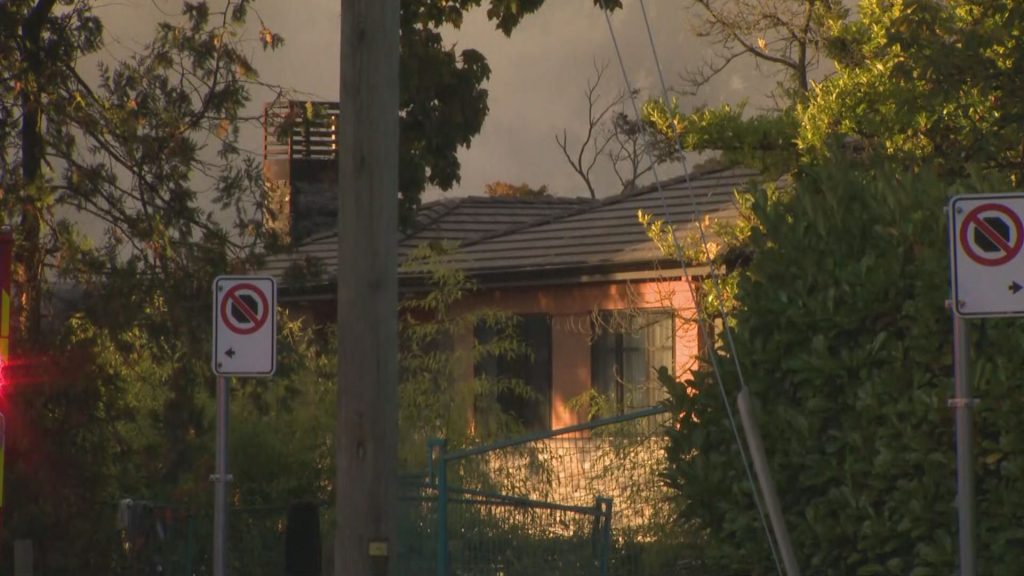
(845, 346)
(120, 396)
(443, 102)
(839, 327)
(439, 395)
(720, 244)
(442, 105)
(60, 493)
(920, 80)
(149, 152)
(762, 141)
(499, 189)
(281, 445)
(787, 35)
(925, 80)
(282, 429)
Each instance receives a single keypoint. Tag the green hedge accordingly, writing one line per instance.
(845, 343)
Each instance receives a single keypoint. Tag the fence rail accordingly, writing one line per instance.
(580, 501)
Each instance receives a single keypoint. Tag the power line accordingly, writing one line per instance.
(702, 321)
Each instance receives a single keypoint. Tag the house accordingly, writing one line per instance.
(602, 308)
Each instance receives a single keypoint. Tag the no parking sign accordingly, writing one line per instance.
(244, 326)
(986, 236)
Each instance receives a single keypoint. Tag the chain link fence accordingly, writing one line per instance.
(584, 500)
(581, 501)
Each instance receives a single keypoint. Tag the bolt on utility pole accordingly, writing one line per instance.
(366, 434)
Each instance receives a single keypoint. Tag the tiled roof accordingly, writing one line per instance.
(550, 236)
(609, 234)
(469, 219)
(457, 220)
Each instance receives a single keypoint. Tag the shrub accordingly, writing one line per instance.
(845, 343)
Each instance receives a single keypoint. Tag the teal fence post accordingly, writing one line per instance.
(439, 472)
(604, 508)
(188, 545)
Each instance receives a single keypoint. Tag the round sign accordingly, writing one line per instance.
(244, 309)
(991, 234)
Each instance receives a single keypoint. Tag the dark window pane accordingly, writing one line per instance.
(533, 370)
(628, 348)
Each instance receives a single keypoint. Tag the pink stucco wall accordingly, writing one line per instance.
(571, 307)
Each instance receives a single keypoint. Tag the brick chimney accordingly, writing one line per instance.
(300, 168)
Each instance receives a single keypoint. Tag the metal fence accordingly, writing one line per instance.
(579, 501)
(162, 541)
(584, 500)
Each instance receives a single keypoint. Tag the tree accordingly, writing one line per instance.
(925, 81)
(787, 35)
(150, 151)
(438, 399)
(119, 396)
(443, 101)
(128, 150)
(844, 344)
(787, 38)
(839, 329)
(611, 135)
(499, 189)
(761, 141)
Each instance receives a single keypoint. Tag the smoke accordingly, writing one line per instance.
(538, 83)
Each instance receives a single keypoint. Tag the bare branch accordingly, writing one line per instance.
(782, 33)
(585, 156)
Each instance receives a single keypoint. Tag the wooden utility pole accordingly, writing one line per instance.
(366, 436)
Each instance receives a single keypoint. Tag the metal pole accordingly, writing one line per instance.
(442, 510)
(963, 404)
(220, 481)
(604, 506)
(764, 478)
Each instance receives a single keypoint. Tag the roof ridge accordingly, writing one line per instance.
(537, 200)
(684, 178)
(585, 205)
(602, 202)
(447, 206)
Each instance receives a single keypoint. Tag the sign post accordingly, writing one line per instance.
(963, 404)
(244, 344)
(986, 235)
(6, 258)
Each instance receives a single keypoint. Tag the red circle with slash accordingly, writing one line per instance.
(236, 300)
(998, 249)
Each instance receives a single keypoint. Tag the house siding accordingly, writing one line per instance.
(571, 307)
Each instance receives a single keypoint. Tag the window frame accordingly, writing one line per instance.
(610, 378)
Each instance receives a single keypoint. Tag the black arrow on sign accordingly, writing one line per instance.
(1015, 287)
(230, 352)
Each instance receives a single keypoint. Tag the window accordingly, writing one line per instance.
(533, 370)
(628, 348)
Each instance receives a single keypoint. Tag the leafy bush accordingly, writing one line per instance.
(844, 341)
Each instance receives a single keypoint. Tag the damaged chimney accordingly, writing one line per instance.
(300, 168)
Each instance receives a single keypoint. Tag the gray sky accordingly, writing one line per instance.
(538, 82)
